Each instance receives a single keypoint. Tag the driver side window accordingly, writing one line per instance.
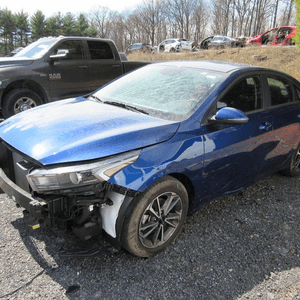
(245, 95)
(74, 48)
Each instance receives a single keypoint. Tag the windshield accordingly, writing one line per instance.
(36, 49)
(167, 92)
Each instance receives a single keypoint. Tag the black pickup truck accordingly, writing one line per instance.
(58, 67)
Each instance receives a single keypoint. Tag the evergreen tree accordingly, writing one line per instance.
(82, 25)
(38, 25)
(8, 30)
(54, 25)
(22, 29)
(69, 25)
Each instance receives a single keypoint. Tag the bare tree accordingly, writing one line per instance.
(149, 16)
(101, 19)
(181, 13)
(200, 20)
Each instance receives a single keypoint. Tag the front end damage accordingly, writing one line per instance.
(87, 209)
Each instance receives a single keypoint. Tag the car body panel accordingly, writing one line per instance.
(277, 36)
(139, 47)
(96, 131)
(204, 44)
(219, 41)
(175, 45)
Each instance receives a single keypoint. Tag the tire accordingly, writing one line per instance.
(19, 100)
(152, 225)
(294, 169)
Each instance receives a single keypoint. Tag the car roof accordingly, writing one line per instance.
(219, 66)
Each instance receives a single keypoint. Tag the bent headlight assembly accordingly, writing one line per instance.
(42, 180)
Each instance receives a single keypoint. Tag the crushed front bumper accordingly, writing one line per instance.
(21, 197)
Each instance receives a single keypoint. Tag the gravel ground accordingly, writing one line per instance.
(242, 246)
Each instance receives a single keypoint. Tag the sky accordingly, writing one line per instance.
(64, 6)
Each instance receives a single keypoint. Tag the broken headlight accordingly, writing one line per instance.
(42, 180)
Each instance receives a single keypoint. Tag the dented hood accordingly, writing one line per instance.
(78, 130)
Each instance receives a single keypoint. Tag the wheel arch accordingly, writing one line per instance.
(129, 202)
(26, 84)
(189, 188)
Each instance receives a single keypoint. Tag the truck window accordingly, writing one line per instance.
(100, 50)
(74, 48)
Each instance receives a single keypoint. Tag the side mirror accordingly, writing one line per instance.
(229, 115)
(61, 54)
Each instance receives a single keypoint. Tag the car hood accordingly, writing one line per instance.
(14, 61)
(75, 130)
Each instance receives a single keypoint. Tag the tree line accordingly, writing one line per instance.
(150, 22)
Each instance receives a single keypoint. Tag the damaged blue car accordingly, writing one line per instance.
(131, 160)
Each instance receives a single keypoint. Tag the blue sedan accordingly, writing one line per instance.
(134, 158)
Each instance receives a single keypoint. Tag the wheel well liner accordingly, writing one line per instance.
(26, 84)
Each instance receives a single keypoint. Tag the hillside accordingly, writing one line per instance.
(285, 59)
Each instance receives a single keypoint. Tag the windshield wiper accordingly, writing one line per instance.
(96, 98)
(126, 106)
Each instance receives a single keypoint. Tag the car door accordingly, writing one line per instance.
(284, 106)
(103, 66)
(236, 154)
(68, 76)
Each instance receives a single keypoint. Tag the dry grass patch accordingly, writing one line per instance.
(285, 59)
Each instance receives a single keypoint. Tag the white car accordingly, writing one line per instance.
(175, 45)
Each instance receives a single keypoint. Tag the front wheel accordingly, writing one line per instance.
(19, 100)
(156, 218)
(294, 169)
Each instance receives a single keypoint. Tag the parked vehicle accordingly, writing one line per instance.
(204, 44)
(132, 159)
(278, 36)
(56, 68)
(139, 47)
(219, 41)
(176, 45)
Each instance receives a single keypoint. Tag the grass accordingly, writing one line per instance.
(285, 59)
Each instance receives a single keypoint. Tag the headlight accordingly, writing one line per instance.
(42, 180)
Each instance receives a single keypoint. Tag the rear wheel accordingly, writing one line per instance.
(294, 169)
(156, 218)
(19, 100)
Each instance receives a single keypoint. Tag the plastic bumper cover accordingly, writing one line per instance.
(21, 197)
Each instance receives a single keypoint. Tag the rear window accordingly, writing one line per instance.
(100, 50)
(280, 91)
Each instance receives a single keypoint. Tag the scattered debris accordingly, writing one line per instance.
(259, 57)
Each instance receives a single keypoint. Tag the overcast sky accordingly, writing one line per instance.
(64, 6)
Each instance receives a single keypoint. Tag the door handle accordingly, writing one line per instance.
(82, 67)
(116, 66)
(266, 126)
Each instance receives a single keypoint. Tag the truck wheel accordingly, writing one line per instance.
(156, 218)
(19, 100)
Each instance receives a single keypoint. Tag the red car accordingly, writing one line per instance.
(278, 36)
